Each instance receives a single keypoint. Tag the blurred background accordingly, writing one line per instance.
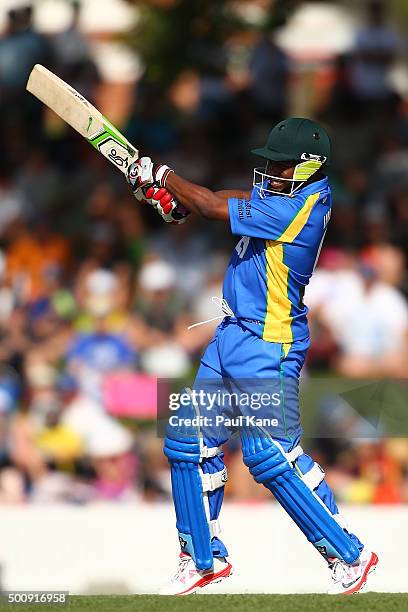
(96, 293)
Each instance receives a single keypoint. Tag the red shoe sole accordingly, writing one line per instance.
(206, 580)
(371, 565)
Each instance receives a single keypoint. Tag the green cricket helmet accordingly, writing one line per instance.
(294, 139)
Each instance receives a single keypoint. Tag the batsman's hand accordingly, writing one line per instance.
(147, 181)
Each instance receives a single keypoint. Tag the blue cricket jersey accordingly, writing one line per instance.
(273, 261)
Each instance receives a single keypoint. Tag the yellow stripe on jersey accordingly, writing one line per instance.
(300, 220)
(278, 322)
(286, 349)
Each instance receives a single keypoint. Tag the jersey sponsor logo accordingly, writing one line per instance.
(244, 209)
(241, 209)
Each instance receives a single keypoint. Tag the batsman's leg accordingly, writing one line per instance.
(276, 459)
(297, 493)
(198, 476)
(314, 476)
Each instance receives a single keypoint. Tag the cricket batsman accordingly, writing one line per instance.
(261, 342)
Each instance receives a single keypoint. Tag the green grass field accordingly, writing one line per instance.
(372, 602)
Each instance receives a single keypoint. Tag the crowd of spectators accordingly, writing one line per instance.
(96, 294)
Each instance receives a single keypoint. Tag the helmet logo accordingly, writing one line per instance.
(316, 136)
(310, 156)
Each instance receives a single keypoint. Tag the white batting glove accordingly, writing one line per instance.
(147, 181)
(143, 174)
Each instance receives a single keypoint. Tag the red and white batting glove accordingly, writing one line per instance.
(147, 181)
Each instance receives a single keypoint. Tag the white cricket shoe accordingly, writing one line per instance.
(349, 579)
(189, 579)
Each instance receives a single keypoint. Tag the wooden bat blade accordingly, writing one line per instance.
(80, 114)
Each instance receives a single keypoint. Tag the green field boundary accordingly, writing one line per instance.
(372, 602)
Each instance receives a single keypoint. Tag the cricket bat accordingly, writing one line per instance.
(71, 106)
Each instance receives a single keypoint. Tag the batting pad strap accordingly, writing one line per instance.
(313, 477)
(294, 454)
(207, 452)
(215, 528)
(214, 481)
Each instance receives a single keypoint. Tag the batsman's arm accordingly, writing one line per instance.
(200, 200)
(174, 197)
